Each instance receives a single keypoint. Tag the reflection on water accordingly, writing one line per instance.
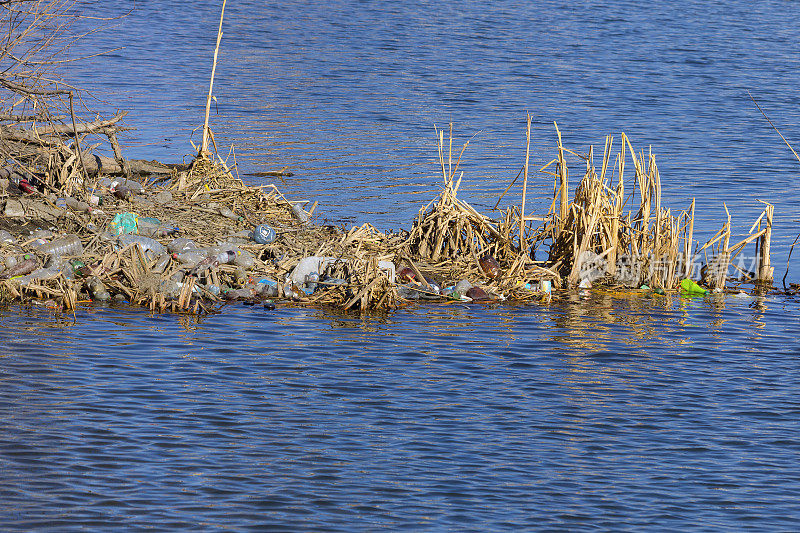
(432, 416)
(600, 410)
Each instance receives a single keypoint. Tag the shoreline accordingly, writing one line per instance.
(185, 239)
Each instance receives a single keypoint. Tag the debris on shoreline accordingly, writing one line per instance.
(199, 236)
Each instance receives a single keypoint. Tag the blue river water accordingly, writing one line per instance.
(596, 412)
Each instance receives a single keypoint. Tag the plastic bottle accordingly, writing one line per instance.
(152, 227)
(388, 267)
(213, 289)
(161, 264)
(116, 182)
(264, 234)
(243, 293)
(434, 293)
(6, 237)
(691, 288)
(462, 287)
(212, 259)
(190, 257)
(224, 257)
(181, 244)
(39, 274)
(170, 288)
(489, 266)
(10, 262)
(83, 207)
(477, 294)
(409, 292)
(227, 213)
(67, 245)
(20, 268)
(243, 259)
(307, 265)
(267, 288)
(146, 243)
(311, 282)
(299, 213)
(407, 274)
(97, 289)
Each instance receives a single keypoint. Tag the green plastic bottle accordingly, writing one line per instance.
(691, 288)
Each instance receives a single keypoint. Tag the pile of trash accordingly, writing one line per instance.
(203, 237)
(198, 236)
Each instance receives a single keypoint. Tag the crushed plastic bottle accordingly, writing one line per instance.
(408, 291)
(545, 286)
(243, 293)
(267, 288)
(161, 264)
(80, 206)
(307, 265)
(153, 227)
(190, 257)
(171, 288)
(407, 274)
(212, 259)
(433, 293)
(388, 267)
(462, 287)
(243, 259)
(311, 282)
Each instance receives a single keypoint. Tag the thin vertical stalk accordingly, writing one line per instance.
(204, 146)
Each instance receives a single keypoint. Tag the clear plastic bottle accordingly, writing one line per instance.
(181, 244)
(190, 257)
(311, 282)
(299, 213)
(462, 287)
(243, 259)
(146, 243)
(39, 274)
(227, 213)
(67, 245)
(97, 289)
(267, 288)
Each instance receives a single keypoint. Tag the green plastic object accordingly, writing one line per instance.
(692, 289)
(124, 223)
(659, 290)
